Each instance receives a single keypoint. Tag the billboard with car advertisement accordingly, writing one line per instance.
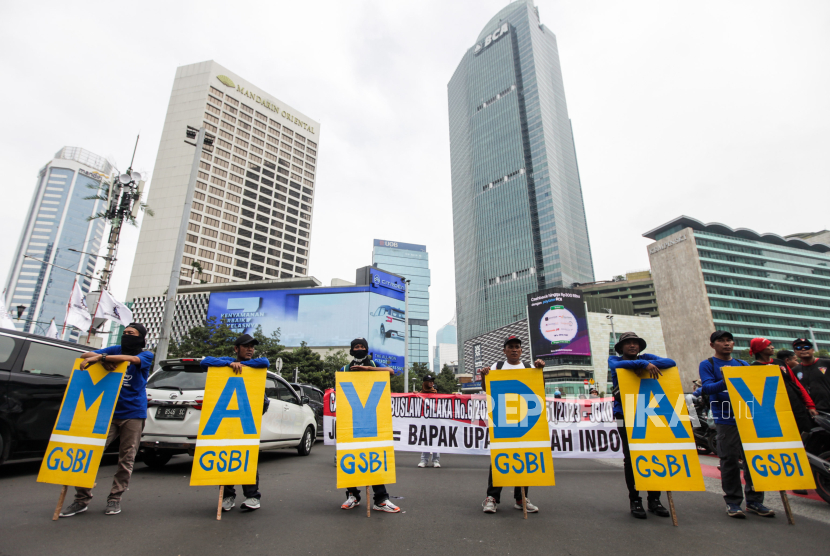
(558, 323)
(321, 317)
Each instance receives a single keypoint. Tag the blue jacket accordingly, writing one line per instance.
(132, 402)
(713, 384)
(258, 363)
(617, 362)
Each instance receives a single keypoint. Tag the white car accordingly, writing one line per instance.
(388, 321)
(174, 402)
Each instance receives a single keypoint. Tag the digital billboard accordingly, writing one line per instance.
(321, 317)
(558, 323)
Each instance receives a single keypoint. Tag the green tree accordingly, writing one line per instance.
(446, 382)
(216, 340)
(417, 372)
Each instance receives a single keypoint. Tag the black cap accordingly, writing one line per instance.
(246, 339)
(717, 334)
(803, 342)
(429, 378)
(512, 339)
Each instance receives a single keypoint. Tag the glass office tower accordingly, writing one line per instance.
(446, 347)
(412, 262)
(58, 240)
(518, 216)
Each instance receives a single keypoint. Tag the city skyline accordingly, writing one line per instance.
(653, 126)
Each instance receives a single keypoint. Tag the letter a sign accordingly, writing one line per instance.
(520, 453)
(365, 448)
(80, 434)
(774, 452)
(227, 447)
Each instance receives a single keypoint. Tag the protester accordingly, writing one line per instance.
(363, 362)
(800, 402)
(812, 372)
(428, 387)
(593, 393)
(730, 451)
(243, 347)
(513, 351)
(129, 416)
(630, 347)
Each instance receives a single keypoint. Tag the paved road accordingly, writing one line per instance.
(585, 514)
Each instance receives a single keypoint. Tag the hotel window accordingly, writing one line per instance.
(232, 101)
(235, 188)
(239, 151)
(211, 222)
(212, 119)
(228, 117)
(226, 135)
(312, 151)
(206, 254)
(223, 258)
(234, 198)
(312, 143)
(199, 195)
(299, 138)
(198, 206)
(231, 109)
(193, 227)
(220, 162)
(258, 133)
(209, 232)
(245, 117)
(189, 248)
(225, 248)
(237, 179)
(311, 159)
(228, 227)
(230, 217)
(217, 92)
(208, 243)
(210, 127)
(213, 211)
(213, 110)
(298, 148)
(247, 109)
(205, 156)
(226, 237)
(227, 126)
(214, 201)
(216, 191)
(195, 216)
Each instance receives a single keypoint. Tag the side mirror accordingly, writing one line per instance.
(304, 400)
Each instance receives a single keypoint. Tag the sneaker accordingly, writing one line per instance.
(489, 505)
(531, 509)
(250, 505)
(760, 509)
(637, 509)
(436, 464)
(228, 502)
(734, 510)
(113, 507)
(422, 464)
(658, 509)
(74, 508)
(351, 502)
(386, 506)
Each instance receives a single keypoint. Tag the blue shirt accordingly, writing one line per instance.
(258, 363)
(132, 402)
(713, 384)
(643, 360)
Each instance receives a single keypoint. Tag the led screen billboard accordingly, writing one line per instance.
(320, 317)
(558, 323)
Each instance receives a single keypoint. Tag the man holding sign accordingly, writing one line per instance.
(129, 416)
(513, 351)
(244, 349)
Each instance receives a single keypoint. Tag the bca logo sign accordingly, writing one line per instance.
(489, 39)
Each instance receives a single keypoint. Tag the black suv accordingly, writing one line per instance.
(34, 372)
(315, 402)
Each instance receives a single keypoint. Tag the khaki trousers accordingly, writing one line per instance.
(130, 432)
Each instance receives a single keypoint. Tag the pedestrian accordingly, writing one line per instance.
(593, 393)
(630, 347)
(244, 348)
(812, 372)
(801, 404)
(428, 387)
(730, 450)
(513, 352)
(363, 362)
(129, 416)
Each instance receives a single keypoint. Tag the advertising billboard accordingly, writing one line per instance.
(321, 317)
(558, 323)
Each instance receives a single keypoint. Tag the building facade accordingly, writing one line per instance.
(57, 231)
(252, 210)
(636, 287)
(518, 215)
(711, 277)
(445, 351)
(412, 262)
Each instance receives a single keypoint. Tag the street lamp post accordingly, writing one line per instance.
(611, 318)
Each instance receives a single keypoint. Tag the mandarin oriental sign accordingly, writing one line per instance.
(491, 38)
(228, 82)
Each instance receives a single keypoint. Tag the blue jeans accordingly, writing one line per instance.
(435, 456)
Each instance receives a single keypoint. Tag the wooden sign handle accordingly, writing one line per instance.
(786, 500)
(59, 507)
(671, 508)
(219, 507)
(368, 504)
(524, 502)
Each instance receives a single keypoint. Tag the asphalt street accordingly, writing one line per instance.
(585, 513)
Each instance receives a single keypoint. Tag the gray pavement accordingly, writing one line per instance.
(586, 513)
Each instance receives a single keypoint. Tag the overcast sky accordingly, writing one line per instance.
(717, 110)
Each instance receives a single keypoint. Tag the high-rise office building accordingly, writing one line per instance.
(57, 232)
(446, 347)
(251, 214)
(412, 262)
(518, 216)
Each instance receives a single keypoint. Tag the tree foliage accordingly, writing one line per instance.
(445, 382)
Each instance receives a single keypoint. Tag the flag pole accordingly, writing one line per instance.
(68, 305)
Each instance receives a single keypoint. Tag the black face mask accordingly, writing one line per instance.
(131, 345)
(360, 353)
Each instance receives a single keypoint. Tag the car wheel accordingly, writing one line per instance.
(822, 482)
(155, 459)
(306, 442)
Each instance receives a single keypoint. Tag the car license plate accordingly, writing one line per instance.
(171, 413)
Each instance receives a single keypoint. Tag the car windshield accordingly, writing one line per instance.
(398, 314)
(178, 378)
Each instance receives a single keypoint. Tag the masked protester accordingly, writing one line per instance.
(428, 387)
(243, 347)
(730, 450)
(630, 347)
(812, 372)
(363, 362)
(129, 416)
(513, 352)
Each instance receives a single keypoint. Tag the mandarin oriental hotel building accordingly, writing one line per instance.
(252, 210)
(711, 277)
